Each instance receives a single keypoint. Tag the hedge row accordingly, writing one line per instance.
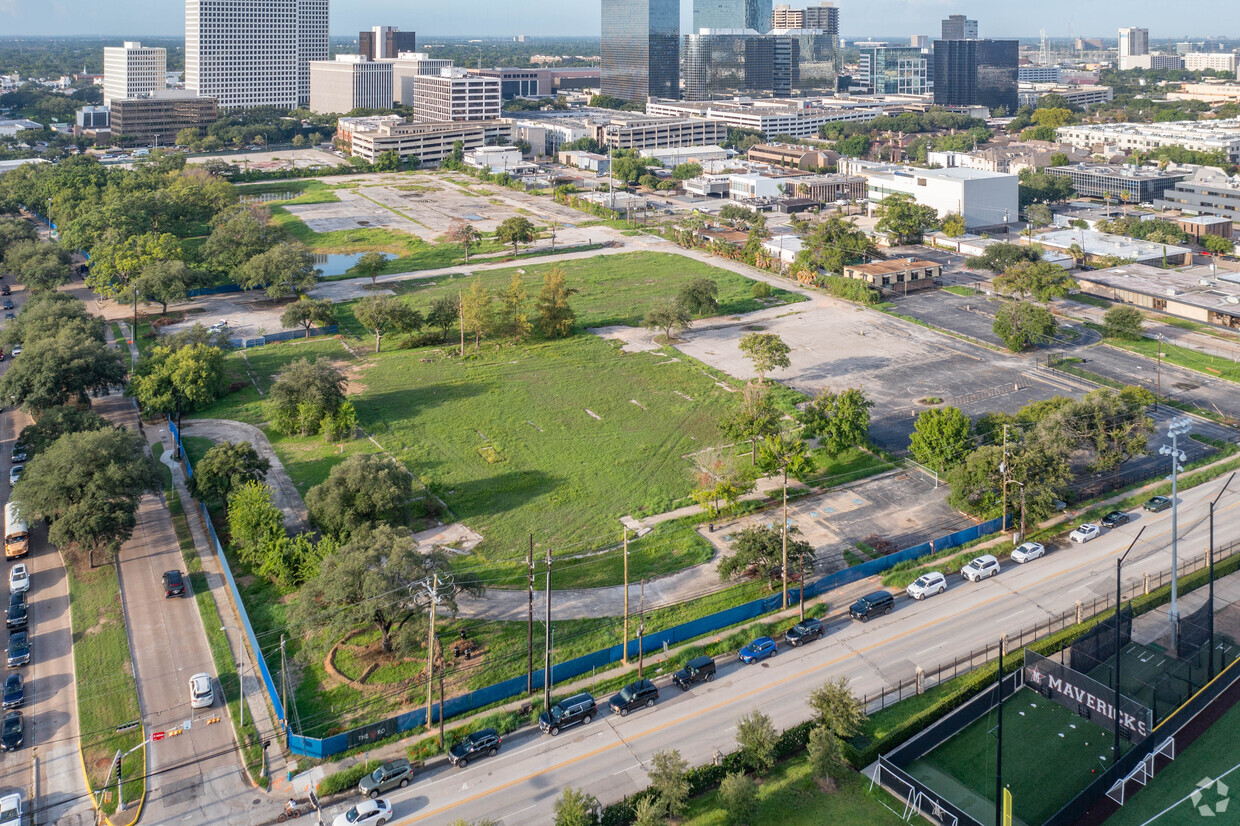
(343, 781)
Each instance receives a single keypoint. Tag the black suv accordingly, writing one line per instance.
(566, 713)
(19, 452)
(19, 649)
(804, 631)
(391, 774)
(634, 695)
(872, 605)
(483, 743)
(174, 585)
(14, 692)
(12, 733)
(697, 670)
(15, 615)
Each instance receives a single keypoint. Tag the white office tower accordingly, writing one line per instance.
(254, 52)
(133, 70)
(1133, 43)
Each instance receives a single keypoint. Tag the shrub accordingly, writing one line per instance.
(849, 289)
(346, 779)
(761, 289)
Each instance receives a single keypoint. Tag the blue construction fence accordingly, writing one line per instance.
(287, 335)
(324, 747)
(222, 288)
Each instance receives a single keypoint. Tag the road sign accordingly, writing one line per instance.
(157, 735)
(186, 725)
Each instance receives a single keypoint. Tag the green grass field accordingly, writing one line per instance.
(1049, 755)
(1146, 667)
(1212, 365)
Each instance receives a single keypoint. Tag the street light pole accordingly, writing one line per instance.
(1119, 562)
(240, 672)
(1179, 426)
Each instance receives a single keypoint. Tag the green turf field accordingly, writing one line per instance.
(1147, 668)
(1049, 755)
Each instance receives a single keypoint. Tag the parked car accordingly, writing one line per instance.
(1085, 533)
(978, 569)
(391, 775)
(19, 649)
(759, 649)
(577, 709)
(19, 453)
(19, 578)
(174, 585)
(366, 813)
(11, 735)
(6, 290)
(805, 631)
(697, 670)
(8, 304)
(634, 695)
(927, 585)
(484, 743)
(15, 472)
(1114, 519)
(16, 615)
(14, 691)
(1028, 552)
(872, 605)
(11, 810)
(1157, 505)
(201, 695)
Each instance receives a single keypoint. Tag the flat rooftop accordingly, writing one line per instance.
(1221, 294)
(892, 265)
(1101, 243)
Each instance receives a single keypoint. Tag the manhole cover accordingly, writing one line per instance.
(256, 801)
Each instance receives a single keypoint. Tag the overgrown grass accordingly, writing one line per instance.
(1092, 300)
(1219, 366)
(305, 192)
(956, 290)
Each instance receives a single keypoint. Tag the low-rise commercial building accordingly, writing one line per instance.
(1101, 245)
(345, 127)
(751, 186)
(159, 116)
(828, 189)
(499, 159)
(1207, 191)
(1143, 184)
(351, 81)
(1218, 61)
(1012, 157)
(1083, 96)
(1197, 295)
(1200, 136)
(675, 155)
(791, 155)
(590, 161)
(455, 95)
(985, 199)
(897, 276)
(796, 117)
(1198, 226)
(431, 143)
(1207, 92)
(647, 132)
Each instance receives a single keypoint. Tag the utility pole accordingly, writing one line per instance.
(529, 643)
(1180, 426)
(439, 643)
(430, 653)
(1158, 370)
(547, 625)
(1022, 511)
(783, 534)
(641, 633)
(624, 654)
(1003, 468)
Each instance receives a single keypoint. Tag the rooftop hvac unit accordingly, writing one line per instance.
(1171, 291)
(1233, 299)
(1205, 282)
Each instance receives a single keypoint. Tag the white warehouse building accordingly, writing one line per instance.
(985, 199)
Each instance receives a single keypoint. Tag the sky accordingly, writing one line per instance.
(489, 18)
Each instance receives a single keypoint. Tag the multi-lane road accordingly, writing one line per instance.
(607, 758)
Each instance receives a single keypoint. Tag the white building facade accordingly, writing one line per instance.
(1218, 61)
(1202, 136)
(411, 65)
(349, 82)
(985, 199)
(455, 95)
(133, 70)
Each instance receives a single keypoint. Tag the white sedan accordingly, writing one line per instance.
(366, 813)
(19, 579)
(1027, 552)
(1085, 533)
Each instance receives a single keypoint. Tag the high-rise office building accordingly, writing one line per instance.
(976, 73)
(455, 95)
(731, 14)
(257, 55)
(785, 17)
(824, 16)
(959, 27)
(892, 70)
(641, 49)
(351, 81)
(1133, 43)
(728, 62)
(817, 58)
(133, 70)
(386, 42)
(919, 41)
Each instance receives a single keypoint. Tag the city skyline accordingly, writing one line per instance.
(494, 18)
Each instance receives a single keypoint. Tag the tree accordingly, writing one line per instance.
(1039, 279)
(387, 161)
(1040, 463)
(60, 369)
(478, 311)
(669, 780)
(39, 265)
(164, 283)
(1112, 425)
(383, 314)
(238, 234)
(370, 265)
(225, 467)
(1021, 324)
(516, 230)
(757, 737)
(49, 314)
(172, 381)
(686, 171)
(832, 244)
(1038, 185)
(56, 422)
(838, 420)
(837, 709)
(1001, 257)
(739, 794)
(514, 317)
(307, 312)
(758, 551)
(953, 225)
(1218, 245)
(754, 419)
(254, 521)
(786, 455)
(555, 316)
(462, 232)
(826, 754)
(443, 314)
(649, 812)
(116, 262)
(904, 219)
(303, 395)
(285, 269)
(1058, 159)
(87, 486)
(15, 230)
(1039, 215)
(1124, 323)
(941, 438)
(1077, 253)
(576, 808)
(669, 317)
(700, 297)
(767, 351)
(363, 489)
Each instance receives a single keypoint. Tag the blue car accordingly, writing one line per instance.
(759, 649)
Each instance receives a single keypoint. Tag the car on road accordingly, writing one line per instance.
(6, 290)
(758, 650)
(15, 473)
(580, 708)
(19, 579)
(1157, 505)
(1027, 552)
(697, 670)
(980, 568)
(174, 585)
(14, 692)
(19, 453)
(872, 605)
(19, 649)
(634, 695)
(16, 615)
(11, 734)
(1114, 519)
(16, 351)
(1085, 533)
(391, 775)
(927, 585)
(11, 813)
(201, 694)
(483, 743)
(805, 631)
(8, 304)
(367, 813)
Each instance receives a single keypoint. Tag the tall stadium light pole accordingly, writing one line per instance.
(1118, 563)
(1179, 426)
(1210, 613)
(999, 743)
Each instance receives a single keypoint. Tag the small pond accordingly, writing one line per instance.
(263, 197)
(336, 263)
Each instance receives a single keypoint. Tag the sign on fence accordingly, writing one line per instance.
(1083, 695)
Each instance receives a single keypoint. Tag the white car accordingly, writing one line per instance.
(200, 693)
(1085, 533)
(11, 810)
(367, 812)
(1028, 551)
(17, 351)
(927, 585)
(19, 579)
(984, 566)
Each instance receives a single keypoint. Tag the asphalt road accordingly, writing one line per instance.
(607, 758)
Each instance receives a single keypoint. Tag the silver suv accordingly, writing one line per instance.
(980, 568)
(391, 774)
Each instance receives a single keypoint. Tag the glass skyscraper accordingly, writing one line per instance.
(728, 64)
(732, 14)
(893, 70)
(976, 73)
(641, 49)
